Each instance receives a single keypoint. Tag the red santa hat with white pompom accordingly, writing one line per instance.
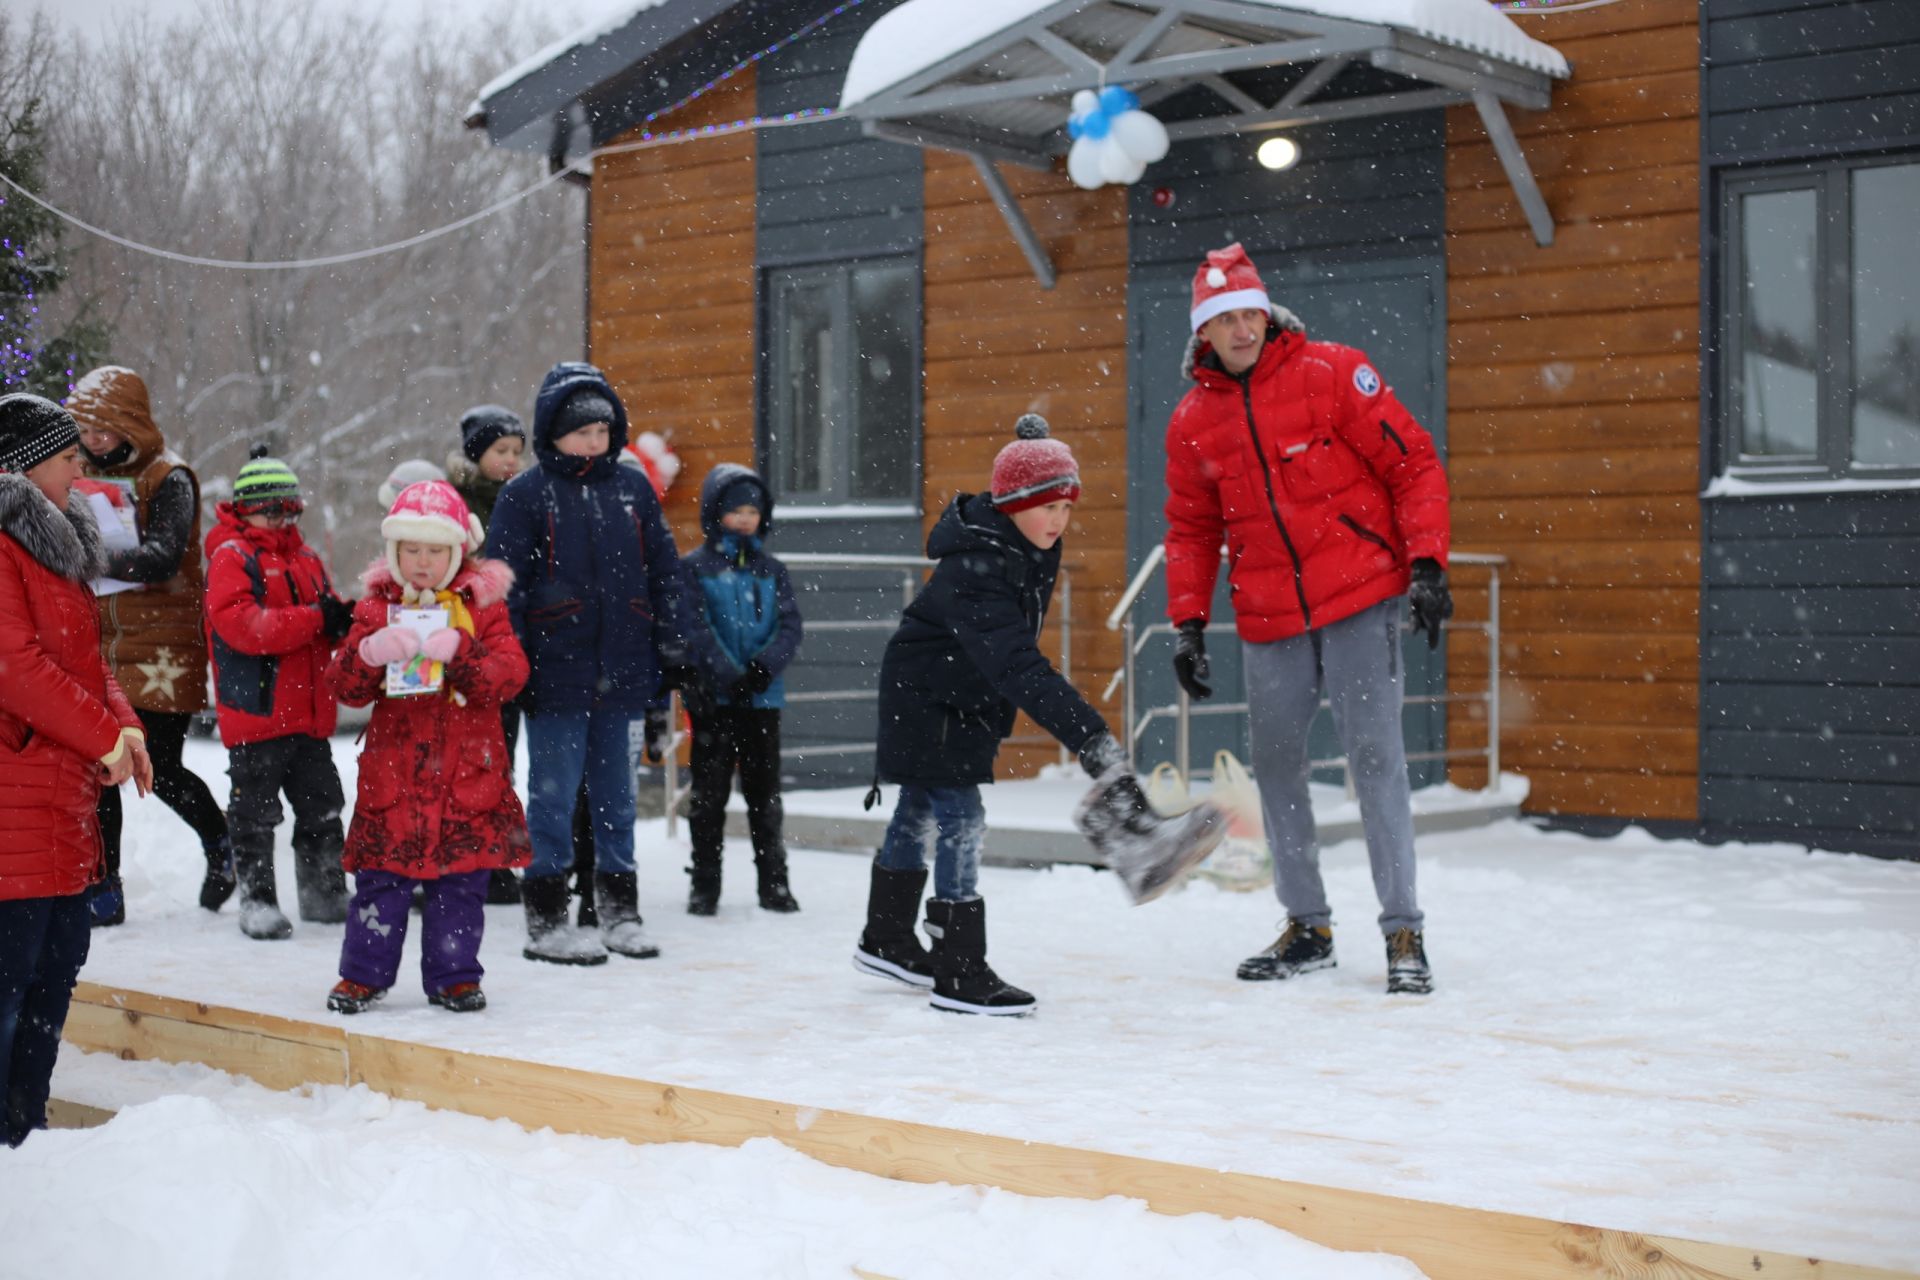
(432, 512)
(1227, 281)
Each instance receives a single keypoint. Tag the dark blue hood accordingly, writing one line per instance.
(562, 381)
(716, 484)
(972, 523)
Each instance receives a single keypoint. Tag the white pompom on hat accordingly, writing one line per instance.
(432, 512)
(1227, 281)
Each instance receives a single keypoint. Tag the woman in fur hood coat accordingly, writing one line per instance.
(65, 730)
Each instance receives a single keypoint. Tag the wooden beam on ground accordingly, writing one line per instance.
(1446, 1242)
(62, 1114)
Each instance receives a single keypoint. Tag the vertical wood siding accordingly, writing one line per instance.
(1574, 419)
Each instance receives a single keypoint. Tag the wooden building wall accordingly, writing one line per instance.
(670, 279)
(1573, 397)
(999, 345)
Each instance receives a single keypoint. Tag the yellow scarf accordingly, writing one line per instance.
(457, 617)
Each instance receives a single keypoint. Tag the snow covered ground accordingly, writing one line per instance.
(1716, 1043)
(202, 1175)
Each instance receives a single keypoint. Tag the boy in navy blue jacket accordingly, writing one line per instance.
(602, 608)
(755, 621)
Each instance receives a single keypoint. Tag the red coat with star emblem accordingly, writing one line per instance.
(1314, 476)
(436, 791)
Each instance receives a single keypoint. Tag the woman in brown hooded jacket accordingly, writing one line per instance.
(152, 636)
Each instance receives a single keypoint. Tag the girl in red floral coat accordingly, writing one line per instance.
(436, 803)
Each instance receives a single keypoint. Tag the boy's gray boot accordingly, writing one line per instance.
(549, 937)
(1149, 852)
(321, 883)
(616, 896)
(260, 914)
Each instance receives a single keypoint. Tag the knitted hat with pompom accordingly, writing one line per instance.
(1035, 469)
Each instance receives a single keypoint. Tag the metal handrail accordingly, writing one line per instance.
(911, 569)
(1182, 711)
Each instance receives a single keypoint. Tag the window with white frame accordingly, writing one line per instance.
(1820, 321)
(843, 382)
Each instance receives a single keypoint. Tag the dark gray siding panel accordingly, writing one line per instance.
(825, 190)
(1362, 190)
(1810, 670)
(1809, 78)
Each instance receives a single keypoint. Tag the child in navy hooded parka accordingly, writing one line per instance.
(602, 609)
(750, 609)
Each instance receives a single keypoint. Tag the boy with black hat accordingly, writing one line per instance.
(493, 441)
(601, 607)
(965, 657)
(273, 621)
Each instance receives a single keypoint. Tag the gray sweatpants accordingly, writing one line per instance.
(1358, 661)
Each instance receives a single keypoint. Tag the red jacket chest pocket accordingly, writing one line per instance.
(1319, 466)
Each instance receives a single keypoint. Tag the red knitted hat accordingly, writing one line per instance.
(1034, 470)
(1227, 281)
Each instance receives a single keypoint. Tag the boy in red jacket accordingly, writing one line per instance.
(272, 623)
(436, 804)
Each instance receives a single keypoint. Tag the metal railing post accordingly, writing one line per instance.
(1493, 676)
(1126, 728)
(670, 765)
(1183, 738)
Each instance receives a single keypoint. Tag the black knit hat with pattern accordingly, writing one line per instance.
(33, 429)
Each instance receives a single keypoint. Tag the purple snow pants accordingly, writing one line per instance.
(450, 929)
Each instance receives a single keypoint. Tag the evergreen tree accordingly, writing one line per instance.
(33, 357)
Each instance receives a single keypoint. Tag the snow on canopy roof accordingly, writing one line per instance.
(921, 33)
(616, 17)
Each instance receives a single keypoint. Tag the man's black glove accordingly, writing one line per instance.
(1432, 602)
(1100, 753)
(756, 679)
(656, 728)
(1190, 666)
(336, 616)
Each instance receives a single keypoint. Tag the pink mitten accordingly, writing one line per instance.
(389, 644)
(441, 645)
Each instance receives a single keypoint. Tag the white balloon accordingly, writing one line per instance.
(1144, 137)
(1083, 164)
(1116, 165)
(1085, 101)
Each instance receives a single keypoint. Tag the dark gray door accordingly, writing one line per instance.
(1394, 312)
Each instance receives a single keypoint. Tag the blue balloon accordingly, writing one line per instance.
(1094, 125)
(1117, 100)
(1074, 126)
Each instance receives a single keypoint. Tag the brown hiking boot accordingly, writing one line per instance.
(1407, 971)
(1301, 949)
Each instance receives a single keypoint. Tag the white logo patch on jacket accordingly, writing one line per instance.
(1366, 381)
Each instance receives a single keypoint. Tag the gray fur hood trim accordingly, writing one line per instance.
(65, 543)
(1281, 316)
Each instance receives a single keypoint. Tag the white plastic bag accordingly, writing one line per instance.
(1243, 862)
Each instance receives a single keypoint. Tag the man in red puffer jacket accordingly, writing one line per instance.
(273, 621)
(1332, 505)
(65, 730)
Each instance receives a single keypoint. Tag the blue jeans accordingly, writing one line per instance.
(953, 821)
(43, 943)
(562, 749)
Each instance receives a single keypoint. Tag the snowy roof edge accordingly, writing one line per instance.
(1473, 25)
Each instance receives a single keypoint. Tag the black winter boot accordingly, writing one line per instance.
(220, 881)
(616, 894)
(260, 914)
(321, 883)
(888, 947)
(962, 980)
(503, 888)
(703, 898)
(774, 893)
(1301, 948)
(549, 936)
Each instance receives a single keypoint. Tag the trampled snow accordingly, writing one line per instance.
(1714, 1043)
(920, 33)
(202, 1175)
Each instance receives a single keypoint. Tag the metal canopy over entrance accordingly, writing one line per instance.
(1203, 67)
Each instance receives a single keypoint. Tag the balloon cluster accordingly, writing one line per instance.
(1113, 139)
(652, 454)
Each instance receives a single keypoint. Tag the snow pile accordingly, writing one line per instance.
(224, 1178)
(616, 16)
(920, 33)
(1715, 1043)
